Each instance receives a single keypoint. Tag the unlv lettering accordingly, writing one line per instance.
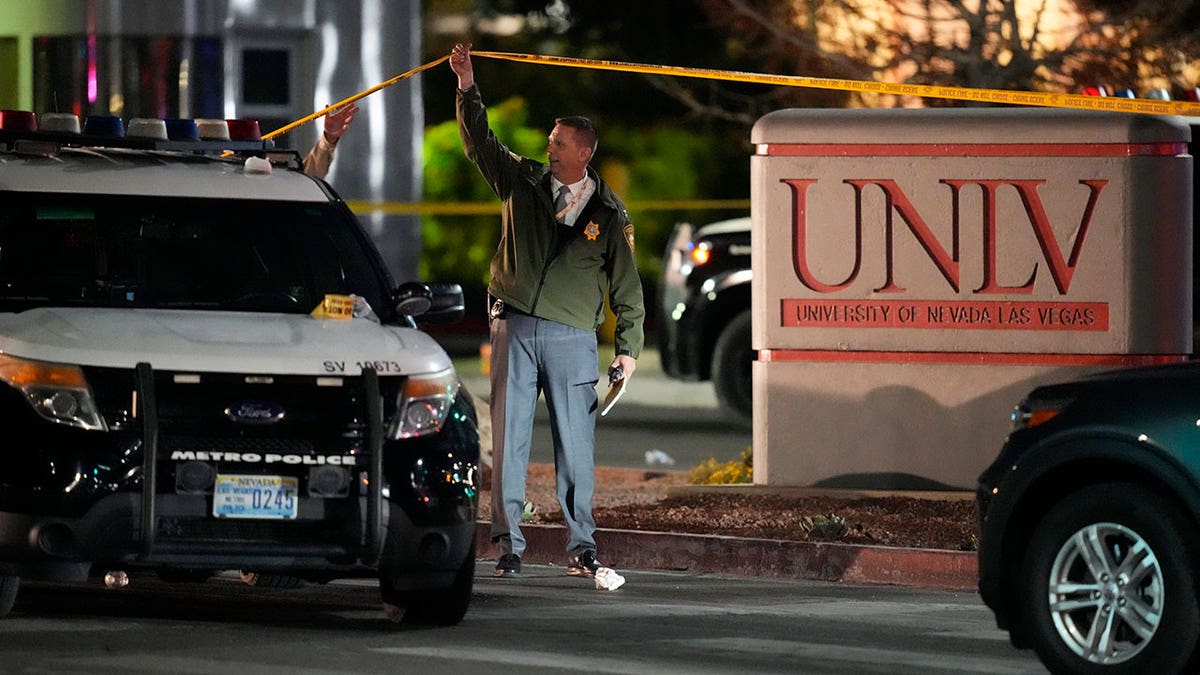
(947, 262)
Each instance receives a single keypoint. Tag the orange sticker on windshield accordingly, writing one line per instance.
(334, 307)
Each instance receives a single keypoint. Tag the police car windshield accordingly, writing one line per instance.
(180, 253)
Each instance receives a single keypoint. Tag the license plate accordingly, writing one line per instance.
(238, 496)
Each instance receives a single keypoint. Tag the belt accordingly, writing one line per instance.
(498, 309)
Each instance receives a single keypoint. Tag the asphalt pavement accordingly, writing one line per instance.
(659, 412)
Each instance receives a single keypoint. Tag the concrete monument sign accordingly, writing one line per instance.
(917, 271)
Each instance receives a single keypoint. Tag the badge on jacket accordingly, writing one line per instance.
(592, 230)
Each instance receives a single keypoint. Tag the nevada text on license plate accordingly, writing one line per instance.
(236, 496)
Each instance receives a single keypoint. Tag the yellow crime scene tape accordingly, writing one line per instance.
(366, 92)
(1033, 98)
(493, 207)
(997, 96)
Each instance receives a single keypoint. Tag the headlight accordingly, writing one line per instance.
(1031, 413)
(58, 392)
(423, 404)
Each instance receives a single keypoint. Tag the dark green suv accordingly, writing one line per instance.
(1089, 523)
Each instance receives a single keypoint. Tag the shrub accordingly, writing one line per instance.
(712, 472)
(824, 527)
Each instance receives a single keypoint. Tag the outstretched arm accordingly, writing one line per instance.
(338, 121)
(460, 63)
(319, 159)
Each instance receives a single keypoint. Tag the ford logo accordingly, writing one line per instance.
(255, 412)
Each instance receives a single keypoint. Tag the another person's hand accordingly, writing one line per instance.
(626, 363)
(460, 63)
(337, 121)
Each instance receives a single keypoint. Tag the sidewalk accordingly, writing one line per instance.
(709, 554)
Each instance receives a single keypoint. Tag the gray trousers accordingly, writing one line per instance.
(529, 356)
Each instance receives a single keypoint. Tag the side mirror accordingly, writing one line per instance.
(412, 298)
(436, 302)
(448, 303)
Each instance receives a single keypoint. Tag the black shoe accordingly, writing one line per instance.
(509, 565)
(584, 564)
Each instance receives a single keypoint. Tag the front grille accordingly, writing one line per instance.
(310, 425)
(261, 445)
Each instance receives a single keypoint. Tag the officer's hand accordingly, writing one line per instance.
(626, 363)
(338, 121)
(460, 63)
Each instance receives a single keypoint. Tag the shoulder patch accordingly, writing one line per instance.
(628, 231)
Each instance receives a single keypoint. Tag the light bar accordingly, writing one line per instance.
(58, 130)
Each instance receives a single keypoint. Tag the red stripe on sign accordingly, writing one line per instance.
(969, 149)
(943, 314)
(968, 358)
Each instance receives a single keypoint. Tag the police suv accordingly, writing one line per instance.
(205, 366)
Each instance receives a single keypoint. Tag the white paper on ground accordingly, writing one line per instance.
(607, 579)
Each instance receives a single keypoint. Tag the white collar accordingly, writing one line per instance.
(575, 187)
(578, 190)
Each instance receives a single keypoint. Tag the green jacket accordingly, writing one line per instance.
(532, 270)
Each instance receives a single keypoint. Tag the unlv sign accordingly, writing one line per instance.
(1060, 259)
(916, 271)
(1061, 268)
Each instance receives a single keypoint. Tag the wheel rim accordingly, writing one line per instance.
(1106, 593)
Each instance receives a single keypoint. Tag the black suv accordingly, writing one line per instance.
(704, 310)
(205, 366)
(1089, 523)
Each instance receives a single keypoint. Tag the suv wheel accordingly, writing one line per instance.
(732, 359)
(436, 607)
(8, 593)
(1107, 586)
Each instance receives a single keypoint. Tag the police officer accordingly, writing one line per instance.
(566, 243)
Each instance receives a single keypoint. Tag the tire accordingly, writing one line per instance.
(1135, 587)
(277, 581)
(731, 369)
(435, 607)
(9, 585)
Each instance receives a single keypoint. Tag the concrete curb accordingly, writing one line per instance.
(712, 554)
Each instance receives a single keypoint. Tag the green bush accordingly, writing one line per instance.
(823, 527)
